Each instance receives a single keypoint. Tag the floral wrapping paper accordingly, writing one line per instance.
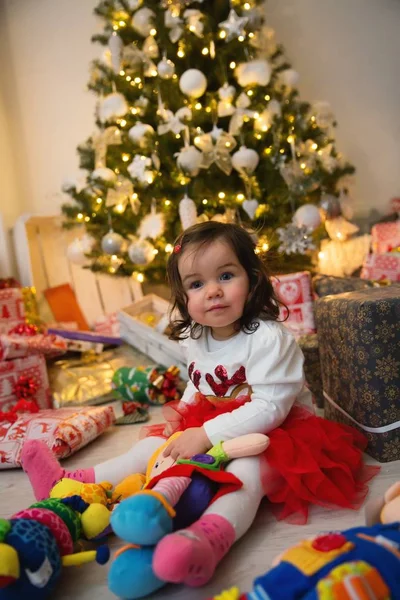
(385, 236)
(33, 366)
(382, 266)
(359, 341)
(65, 431)
(17, 346)
(17, 305)
(294, 289)
(325, 285)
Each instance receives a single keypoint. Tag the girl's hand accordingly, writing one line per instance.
(192, 441)
(172, 425)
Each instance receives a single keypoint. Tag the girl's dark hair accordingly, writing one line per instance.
(262, 302)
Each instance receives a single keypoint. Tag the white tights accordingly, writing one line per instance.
(239, 508)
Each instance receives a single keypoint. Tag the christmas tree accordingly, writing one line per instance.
(198, 117)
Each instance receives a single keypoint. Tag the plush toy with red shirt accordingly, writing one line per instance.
(175, 495)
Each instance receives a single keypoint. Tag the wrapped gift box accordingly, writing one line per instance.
(294, 289)
(34, 367)
(107, 325)
(359, 341)
(382, 266)
(17, 346)
(85, 381)
(325, 285)
(17, 305)
(144, 326)
(312, 366)
(65, 431)
(385, 236)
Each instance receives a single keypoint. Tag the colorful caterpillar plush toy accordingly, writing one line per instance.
(37, 542)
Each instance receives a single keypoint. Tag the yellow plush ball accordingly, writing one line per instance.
(66, 487)
(95, 519)
(9, 562)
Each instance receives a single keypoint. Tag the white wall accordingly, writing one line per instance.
(346, 51)
(51, 112)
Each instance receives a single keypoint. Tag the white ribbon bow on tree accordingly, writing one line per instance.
(103, 139)
(218, 152)
(173, 122)
(176, 25)
(241, 111)
(121, 194)
(136, 56)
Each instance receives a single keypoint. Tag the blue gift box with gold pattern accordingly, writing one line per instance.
(359, 344)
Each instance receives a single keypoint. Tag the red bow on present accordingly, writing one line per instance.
(25, 387)
(22, 406)
(24, 329)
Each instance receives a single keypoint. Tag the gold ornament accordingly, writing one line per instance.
(100, 141)
(218, 152)
(121, 194)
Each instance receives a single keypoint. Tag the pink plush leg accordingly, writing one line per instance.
(191, 555)
(44, 470)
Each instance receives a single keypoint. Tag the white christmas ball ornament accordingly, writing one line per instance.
(78, 248)
(104, 174)
(189, 160)
(112, 243)
(142, 21)
(165, 68)
(307, 215)
(254, 72)
(245, 160)
(112, 106)
(139, 132)
(193, 83)
(187, 212)
(141, 252)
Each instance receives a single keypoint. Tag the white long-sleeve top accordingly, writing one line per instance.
(266, 364)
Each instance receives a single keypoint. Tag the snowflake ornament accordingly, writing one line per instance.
(295, 240)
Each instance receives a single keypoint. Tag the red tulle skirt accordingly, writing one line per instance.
(310, 460)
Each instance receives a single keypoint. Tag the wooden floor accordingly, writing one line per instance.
(250, 557)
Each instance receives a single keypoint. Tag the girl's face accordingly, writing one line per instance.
(216, 285)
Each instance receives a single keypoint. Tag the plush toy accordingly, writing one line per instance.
(98, 501)
(362, 563)
(36, 543)
(146, 517)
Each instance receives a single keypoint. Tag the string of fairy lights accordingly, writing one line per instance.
(241, 98)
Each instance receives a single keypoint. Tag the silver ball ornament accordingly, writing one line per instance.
(330, 206)
(165, 68)
(307, 215)
(141, 252)
(112, 243)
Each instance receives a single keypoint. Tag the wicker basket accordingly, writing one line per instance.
(151, 340)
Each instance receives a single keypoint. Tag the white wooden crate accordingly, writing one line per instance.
(40, 245)
(148, 339)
